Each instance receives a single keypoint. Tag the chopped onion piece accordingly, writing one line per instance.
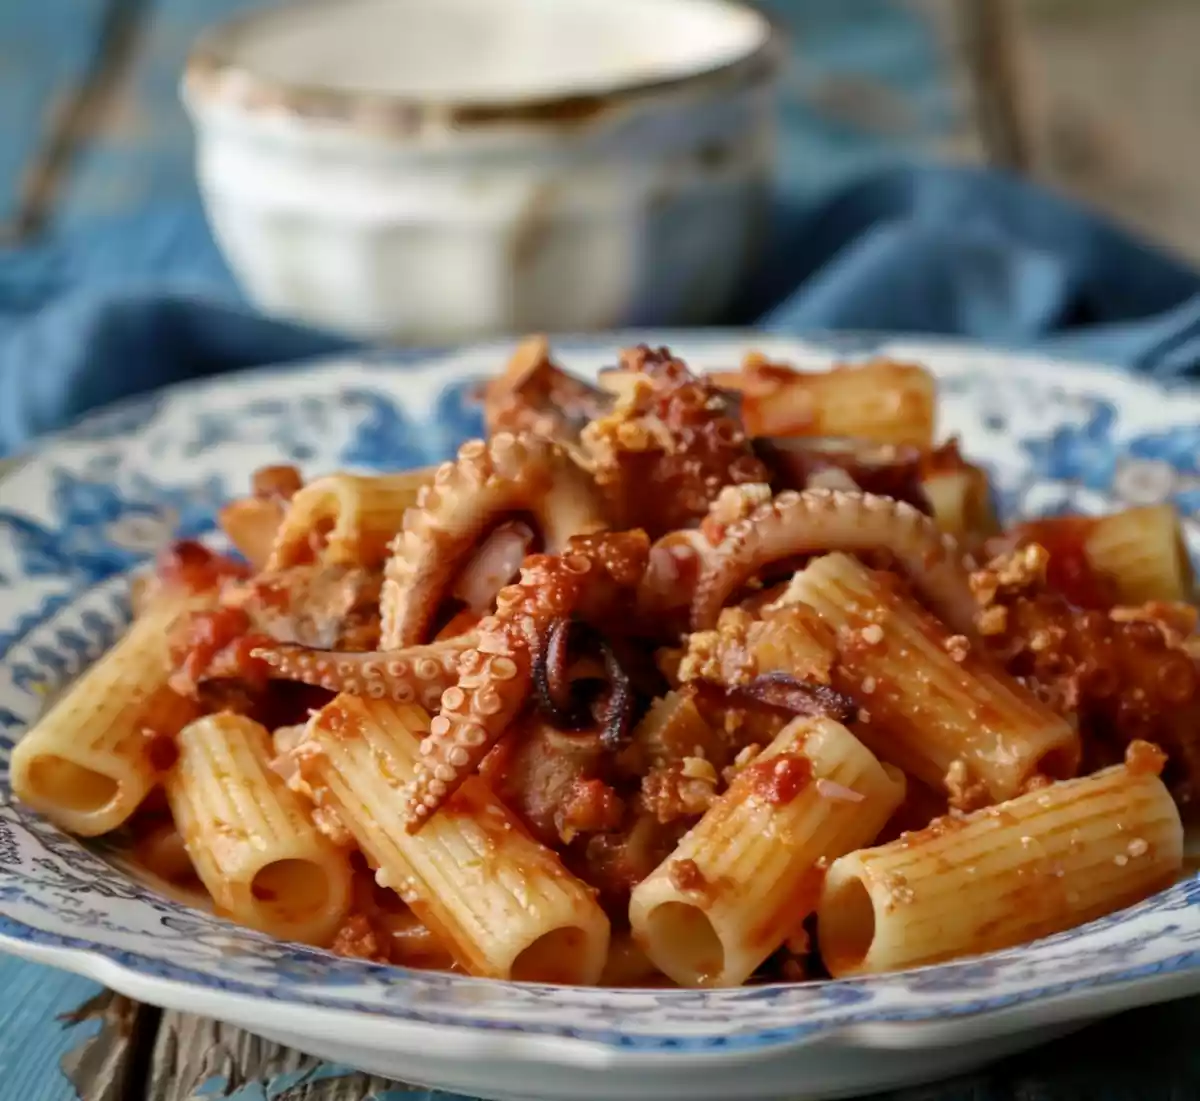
(831, 789)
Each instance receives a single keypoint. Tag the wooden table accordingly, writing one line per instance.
(90, 126)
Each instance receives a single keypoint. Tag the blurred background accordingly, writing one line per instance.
(1098, 97)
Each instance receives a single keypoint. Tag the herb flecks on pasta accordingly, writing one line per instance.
(671, 679)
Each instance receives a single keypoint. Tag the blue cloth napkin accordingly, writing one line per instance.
(129, 306)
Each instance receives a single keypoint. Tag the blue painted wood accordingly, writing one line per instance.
(278, 1087)
(867, 85)
(46, 50)
(140, 151)
(32, 1039)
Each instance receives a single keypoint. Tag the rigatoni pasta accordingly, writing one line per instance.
(251, 524)
(346, 519)
(672, 730)
(960, 500)
(1130, 558)
(250, 838)
(92, 758)
(806, 703)
(750, 871)
(1046, 861)
(927, 700)
(1142, 552)
(503, 905)
(881, 401)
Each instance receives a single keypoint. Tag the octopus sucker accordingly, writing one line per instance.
(590, 578)
(416, 674)
(819, 520)
(488, 481)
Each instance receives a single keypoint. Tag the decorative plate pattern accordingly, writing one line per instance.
(97, 501)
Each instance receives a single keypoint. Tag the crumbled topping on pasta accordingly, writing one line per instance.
(966, 792)
(651, 636)
(958, 647)
(872, 634)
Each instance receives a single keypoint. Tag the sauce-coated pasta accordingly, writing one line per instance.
(675, 679)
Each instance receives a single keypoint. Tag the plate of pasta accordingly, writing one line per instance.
(707, 715)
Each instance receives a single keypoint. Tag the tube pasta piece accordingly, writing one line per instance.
(673, 729)
(618, 381)
(1132, 557)
(881, 400)
(91, 759)
(750, 871)
(1142, 552)
(251, 524)
(250, 837)
(961, 501)
(353, 516)
(793, 640)
(502, 904)
(1046, 861)
(928, 702)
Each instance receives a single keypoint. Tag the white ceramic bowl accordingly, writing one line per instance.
(429, 170)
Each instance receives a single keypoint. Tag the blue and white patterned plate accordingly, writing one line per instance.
(94, 502)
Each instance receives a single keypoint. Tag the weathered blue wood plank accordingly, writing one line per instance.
(867, 84)
(33, 1040)
(195, 1058)
(140, 150)
(47, 48)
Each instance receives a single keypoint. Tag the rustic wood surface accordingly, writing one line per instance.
(90, 125)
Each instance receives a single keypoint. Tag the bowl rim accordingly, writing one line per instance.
(213, 77)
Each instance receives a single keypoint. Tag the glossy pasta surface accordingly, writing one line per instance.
(669, 680)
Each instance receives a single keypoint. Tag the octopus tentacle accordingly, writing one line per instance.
(488, 479)
(343, 519)
(819, 520)
(496, 675)
(418, 674)
(550, 672)
(494, 678)
(535, 395)
(795, 696)
(609, 708)
(679, 559)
